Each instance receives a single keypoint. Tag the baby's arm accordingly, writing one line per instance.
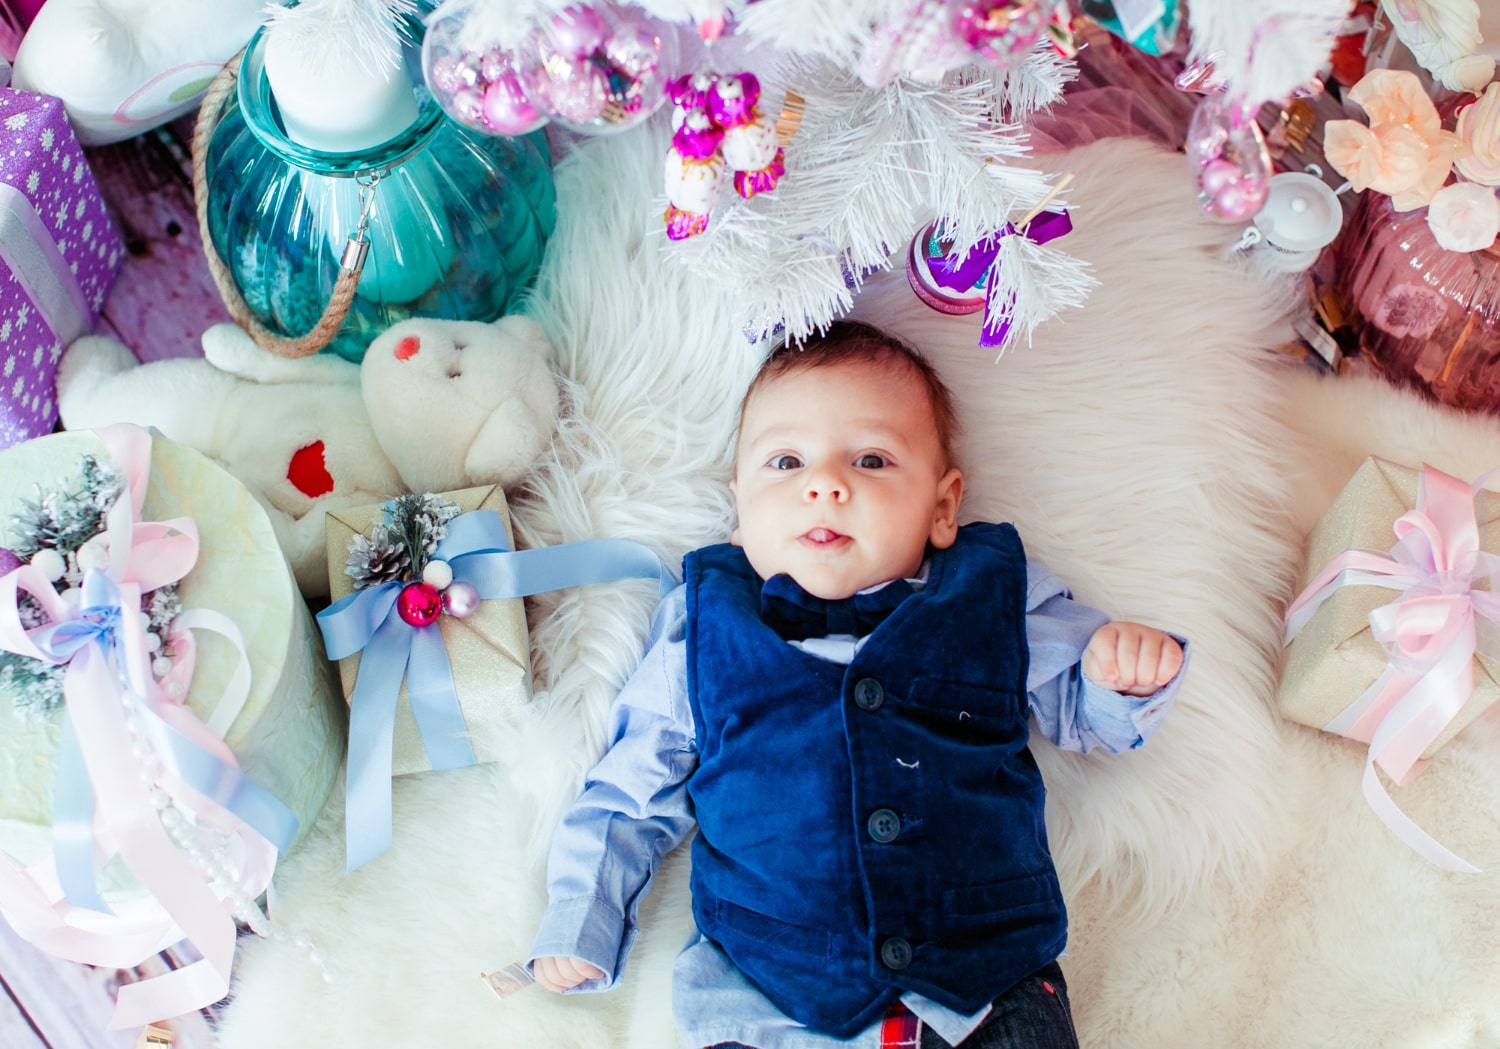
(1072, 709)
(633, 810)
(1131, 658)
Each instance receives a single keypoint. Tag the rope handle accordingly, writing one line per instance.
(350, 265)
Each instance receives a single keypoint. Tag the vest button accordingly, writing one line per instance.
(895, 953)
(883, 825)
(868, 695)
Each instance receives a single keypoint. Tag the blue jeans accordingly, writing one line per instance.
(1034, 1014)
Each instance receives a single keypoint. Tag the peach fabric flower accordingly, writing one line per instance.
(1404, 153)
(1479, 130)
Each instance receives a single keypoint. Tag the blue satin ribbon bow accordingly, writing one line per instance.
(391, 650)
(973, 270)
(97, 634)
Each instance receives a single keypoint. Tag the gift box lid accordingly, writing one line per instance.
(289, 735)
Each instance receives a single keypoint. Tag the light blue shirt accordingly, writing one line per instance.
(634, 809)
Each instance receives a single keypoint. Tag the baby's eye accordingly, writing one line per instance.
(870, 461)
(785, 462)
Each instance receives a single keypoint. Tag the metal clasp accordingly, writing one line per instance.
(358, 247)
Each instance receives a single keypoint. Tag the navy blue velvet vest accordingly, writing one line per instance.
(877, 828)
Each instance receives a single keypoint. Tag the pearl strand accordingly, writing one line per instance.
(216, 866)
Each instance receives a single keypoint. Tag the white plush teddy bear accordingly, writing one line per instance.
(436, 405)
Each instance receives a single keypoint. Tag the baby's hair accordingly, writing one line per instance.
(847, 342)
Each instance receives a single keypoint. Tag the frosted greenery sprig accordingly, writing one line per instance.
(400, 546)
(63, 520)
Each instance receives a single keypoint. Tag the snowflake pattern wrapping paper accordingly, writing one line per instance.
(59, 253)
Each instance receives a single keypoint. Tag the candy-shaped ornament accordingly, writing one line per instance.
(598, 68)
(1229, 160)
(696, 174)
(477, 86)
(750, 145)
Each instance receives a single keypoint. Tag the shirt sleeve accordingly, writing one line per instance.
(1071, 711)
(634, 809)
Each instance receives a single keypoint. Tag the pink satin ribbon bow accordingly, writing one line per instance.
(1430, 634)
(110, 699)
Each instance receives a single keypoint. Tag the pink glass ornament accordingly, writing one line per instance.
(616, 85)
(577, 31)
(506, 108)
(477, 88)
(461, 600)
(733, 99)
(1001, 30)
(419, 604)
(1230, 163)
(573, 91)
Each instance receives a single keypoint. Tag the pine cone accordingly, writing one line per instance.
(372, 563)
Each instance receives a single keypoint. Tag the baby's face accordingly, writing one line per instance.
(840, 481)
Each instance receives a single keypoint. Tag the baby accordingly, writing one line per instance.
(840, 699)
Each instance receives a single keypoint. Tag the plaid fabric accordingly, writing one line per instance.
(900, 1029)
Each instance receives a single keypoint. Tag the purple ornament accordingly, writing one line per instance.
(9, 562)
(419, 604)
(577, 32)
(732, 100)
(506, 108)
(461, 600)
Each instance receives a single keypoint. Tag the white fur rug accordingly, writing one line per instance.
(1228, 886)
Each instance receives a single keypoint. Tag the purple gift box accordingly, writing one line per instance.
(59, 253)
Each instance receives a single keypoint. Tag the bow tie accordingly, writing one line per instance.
(797, 615)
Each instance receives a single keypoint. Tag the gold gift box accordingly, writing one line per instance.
(1335, 657)
(488, 650)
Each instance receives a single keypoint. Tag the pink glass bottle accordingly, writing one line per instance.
(1426, 317)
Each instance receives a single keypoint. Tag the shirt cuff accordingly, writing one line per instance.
(1131, 719)
(586, 928)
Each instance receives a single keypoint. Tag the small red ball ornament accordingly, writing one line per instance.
(419, 604)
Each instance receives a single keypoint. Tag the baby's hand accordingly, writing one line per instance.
(1131, 658)
(557, 973)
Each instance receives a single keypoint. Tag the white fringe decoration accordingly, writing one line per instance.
(1268, 47)
(1030, 283)
(343, 33)
(866, 170)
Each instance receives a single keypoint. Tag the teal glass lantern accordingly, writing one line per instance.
(454, 222)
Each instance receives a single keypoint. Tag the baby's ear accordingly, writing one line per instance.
(950, 493)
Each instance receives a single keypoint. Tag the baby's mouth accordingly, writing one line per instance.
(822, 536)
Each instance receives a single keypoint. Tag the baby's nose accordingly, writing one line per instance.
(826, 484)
